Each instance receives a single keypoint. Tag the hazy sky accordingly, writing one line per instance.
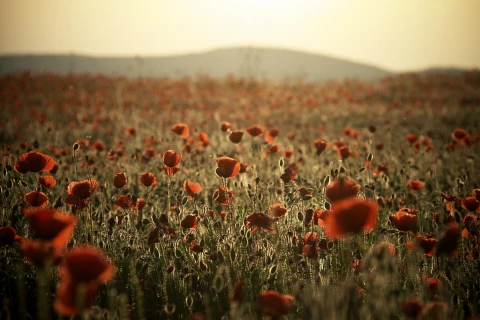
(398, 35)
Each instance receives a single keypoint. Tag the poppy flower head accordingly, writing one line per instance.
(243, 167)
(237, 291)
(181, 129)
(131, 131)
(225, 126)
(223, 196)
(203, 140)
(50, 225)
(125, 202)
(459, 134)
(426, 244)
(476, 194)
(82, 189)
(36, 199)
(470, 204)
(287, 176)
(236, 136)
(404, 219)
(273, 304)
(415, 184)
(148, 179)
(260, 221)
(33, 161)
(411, 137)
(255, 130)
(320, 145)
(191, 188)
(79, 192)
(412, 308)
(8, 236)
(351, 216)
(171, 158)
(47, 181)
(120, 180)
(227, 167)
(189, 222)
(83, 265)
(270, 135)
(277, 210)
(344, 152)
(340, 189)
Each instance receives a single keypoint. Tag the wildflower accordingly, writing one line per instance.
(34, 162)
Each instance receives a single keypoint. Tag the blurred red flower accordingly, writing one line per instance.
(34, 162)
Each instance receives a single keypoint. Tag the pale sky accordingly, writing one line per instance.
(399, 35)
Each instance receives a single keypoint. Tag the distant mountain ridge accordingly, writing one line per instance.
(276, 64)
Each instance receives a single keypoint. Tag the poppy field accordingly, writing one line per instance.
(203, 198)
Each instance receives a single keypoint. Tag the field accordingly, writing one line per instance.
(232, 198)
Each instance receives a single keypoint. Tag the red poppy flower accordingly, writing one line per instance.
(427, 244)
(470, 204)
(259, 220)
(412, 308)
(448, 242)
(344, 152)
(236, 136)
(171, 158)
(310, 250)
(288, 153)
(459, 134)
(405, 219)
(243, 167)
(411, 137)
(476, 194)
(277, 210)
(47, 181)
(237, 292)
(351, 216)
(222, 196)
(171, 171)
(148, 179)
(120, 180)
(36, 199)
(85, 266)
(141, 203)
(273, 304)
(310, 238)
(321, 145)
(191, 188)
(433, 284)
(340, 189)
(190, 222)
(320, 216)
(8, 236)
(181, 129)
(197, 316)
(80, 191)
(34, 162)
(225, 126)
(125, 202)
(38, 252)
(415, 184)
(255, 130)
(270, 135)
(51, 225)
(287, 176)
(227, 167)
(196, 248)
(131, 131)
(203, 141)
